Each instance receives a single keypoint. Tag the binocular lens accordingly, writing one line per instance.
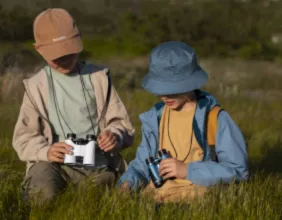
(149, 160)
(163, 152)
(71, 136)
(90, 137)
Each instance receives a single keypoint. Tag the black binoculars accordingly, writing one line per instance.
(154, 164)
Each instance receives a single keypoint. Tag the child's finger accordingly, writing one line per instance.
(62, 150)
(100, 137)
(166, 161)
(169, 175)
(104, 134)
(58, 155)
(165, 166)
(165, 171)
(110, 147)
(62, 145)
(104, 140)
(55, 159)
(107, 141)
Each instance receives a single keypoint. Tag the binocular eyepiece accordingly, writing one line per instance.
(89, 137)
(154, 164)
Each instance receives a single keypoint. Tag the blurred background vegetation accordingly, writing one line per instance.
(239, 44)
(247, 29)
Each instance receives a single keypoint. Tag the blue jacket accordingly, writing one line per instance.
(230, 148)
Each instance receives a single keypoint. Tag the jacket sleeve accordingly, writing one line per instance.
(28, 141)
(137, 174)
(117, 119)
(232, 157)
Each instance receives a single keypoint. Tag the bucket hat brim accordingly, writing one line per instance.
(186, 84)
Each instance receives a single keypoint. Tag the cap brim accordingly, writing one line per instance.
(54, 51)
(190, 83)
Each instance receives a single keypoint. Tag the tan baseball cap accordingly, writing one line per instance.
(56, 34)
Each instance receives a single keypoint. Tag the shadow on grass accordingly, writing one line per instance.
(271, 163)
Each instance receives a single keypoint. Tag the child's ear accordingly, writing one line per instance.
(36, 47)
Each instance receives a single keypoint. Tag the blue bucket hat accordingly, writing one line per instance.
(173, 69)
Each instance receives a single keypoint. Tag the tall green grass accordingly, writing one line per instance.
(254, 104)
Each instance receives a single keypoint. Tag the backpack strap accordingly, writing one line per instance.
(211, 126)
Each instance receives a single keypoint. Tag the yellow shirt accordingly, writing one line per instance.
(177, 137)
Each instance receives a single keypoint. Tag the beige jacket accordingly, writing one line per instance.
(33, 136)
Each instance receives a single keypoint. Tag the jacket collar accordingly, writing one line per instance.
(150, 119)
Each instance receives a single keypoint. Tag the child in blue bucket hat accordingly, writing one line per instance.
(206, 147)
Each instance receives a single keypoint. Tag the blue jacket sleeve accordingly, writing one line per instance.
(137, 174)
(232, 157)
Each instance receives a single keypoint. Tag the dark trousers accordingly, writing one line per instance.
(46, 180)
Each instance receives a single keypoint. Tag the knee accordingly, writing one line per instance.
(38, 191)
(105, 179)
(43, 168)
(42, 183)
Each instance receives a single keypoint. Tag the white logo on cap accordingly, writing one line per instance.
(59, 38)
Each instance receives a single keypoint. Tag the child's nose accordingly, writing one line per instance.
(164, 96)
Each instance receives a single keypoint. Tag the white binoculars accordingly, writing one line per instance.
(83, 152)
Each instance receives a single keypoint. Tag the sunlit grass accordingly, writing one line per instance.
(258, 116)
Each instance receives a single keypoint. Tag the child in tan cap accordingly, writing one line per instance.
(67, 96)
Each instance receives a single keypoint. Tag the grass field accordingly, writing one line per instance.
(250, 91)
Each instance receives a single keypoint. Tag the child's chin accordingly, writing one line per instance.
(64, 71)
(173, 107)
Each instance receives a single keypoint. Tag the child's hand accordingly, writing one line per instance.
(107, 141)
(172, 168)
(57, 152)
(125, 187)
(125, 190)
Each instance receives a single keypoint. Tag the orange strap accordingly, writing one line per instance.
(212, 125)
